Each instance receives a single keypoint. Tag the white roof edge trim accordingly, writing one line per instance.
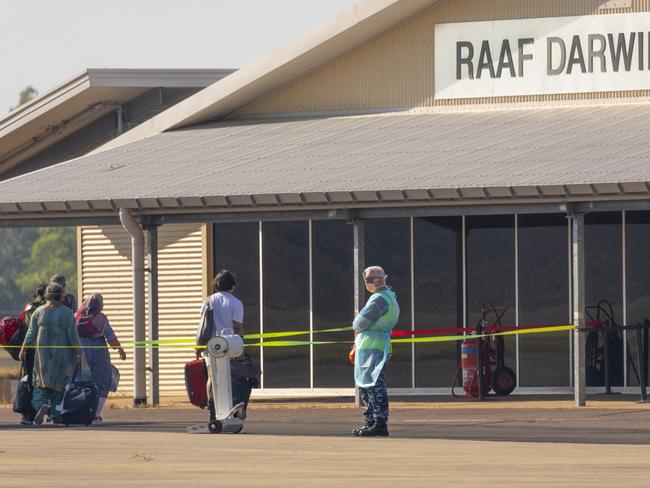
(317, 47)
(41, 101)
(152, 78)
(110, 78)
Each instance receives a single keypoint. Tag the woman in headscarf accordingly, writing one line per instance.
(53, 336)
(94, 332)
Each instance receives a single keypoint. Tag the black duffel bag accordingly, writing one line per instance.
(80, 401)
(24, 393)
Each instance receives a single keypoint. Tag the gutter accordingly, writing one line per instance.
(139, 332)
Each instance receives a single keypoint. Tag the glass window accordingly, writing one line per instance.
(387, 244)
(637, 243)
(544, 299)
(491, 272)
(236, 247)
(437, 248)
(285, 257)
(604, 282)
(333, 301)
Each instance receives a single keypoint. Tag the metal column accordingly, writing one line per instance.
(359, 285)
(154, 370)
(578, 281)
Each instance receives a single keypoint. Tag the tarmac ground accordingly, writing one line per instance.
(520, 442)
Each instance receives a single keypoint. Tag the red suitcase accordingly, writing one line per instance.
(196, 380)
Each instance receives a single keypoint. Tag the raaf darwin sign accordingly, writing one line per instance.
(594, 53)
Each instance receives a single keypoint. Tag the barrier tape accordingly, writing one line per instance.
(188, 343)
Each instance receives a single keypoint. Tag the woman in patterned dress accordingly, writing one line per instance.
(94, 332)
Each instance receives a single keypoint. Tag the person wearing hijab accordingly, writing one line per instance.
(94, 332)
(53, 336)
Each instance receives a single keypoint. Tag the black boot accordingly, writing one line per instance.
(379, 429)
(369, 424)
(213, 415)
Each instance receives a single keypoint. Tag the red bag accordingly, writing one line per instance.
(8, 327)
(196, 381)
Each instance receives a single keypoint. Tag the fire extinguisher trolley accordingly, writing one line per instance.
(229, 418)
(482, 363)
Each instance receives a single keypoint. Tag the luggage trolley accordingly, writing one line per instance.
(220, 349)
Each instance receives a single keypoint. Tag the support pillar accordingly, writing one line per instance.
(154, 370)
(359, 285)
(578, 281)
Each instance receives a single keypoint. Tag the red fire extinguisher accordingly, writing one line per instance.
(469, 366)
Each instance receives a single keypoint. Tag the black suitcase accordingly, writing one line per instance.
(79, 405)
(244, 374)
(241, 390)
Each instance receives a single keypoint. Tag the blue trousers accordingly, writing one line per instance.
(375, 399)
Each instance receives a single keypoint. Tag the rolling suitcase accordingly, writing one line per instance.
(245, 374)
(196, 380)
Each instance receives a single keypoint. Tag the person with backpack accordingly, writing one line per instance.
(37, 300)
(94, 333)
(69, 300)
(372, 349)
(227, 313)
(53, 337)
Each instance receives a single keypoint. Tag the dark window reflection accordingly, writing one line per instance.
(333, 301)
(491, 272)
(437, 247)
(388, 246)
(236, 247)
(544, 299)
(285, 257)
(638, 280)
(603, 281)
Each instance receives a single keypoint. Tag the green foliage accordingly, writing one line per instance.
(29, 257)
(15, 248)
(53, 251)
(26, 95)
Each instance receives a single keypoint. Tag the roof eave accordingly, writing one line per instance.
(560, 197)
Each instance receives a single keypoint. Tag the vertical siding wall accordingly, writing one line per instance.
(396, 70)
(105, 267)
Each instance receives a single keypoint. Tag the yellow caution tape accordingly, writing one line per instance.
(188, 343)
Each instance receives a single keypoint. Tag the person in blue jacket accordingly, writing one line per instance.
(372, 327)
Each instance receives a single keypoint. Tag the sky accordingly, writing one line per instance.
(44, 43)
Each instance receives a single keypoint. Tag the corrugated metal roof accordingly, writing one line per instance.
(559, 152)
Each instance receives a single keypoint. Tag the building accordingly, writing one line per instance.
(85, 112)
(475, 149)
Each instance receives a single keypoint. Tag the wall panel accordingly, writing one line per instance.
(395, 71)
(105, 267)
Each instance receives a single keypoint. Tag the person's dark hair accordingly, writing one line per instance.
(39, 291)
(224, 281)
(54, 291)
(58, 278)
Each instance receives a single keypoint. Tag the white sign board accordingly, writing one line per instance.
(592, 53)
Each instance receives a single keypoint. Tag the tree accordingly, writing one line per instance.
(54, 251)
(15, 248)
(26, 95)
